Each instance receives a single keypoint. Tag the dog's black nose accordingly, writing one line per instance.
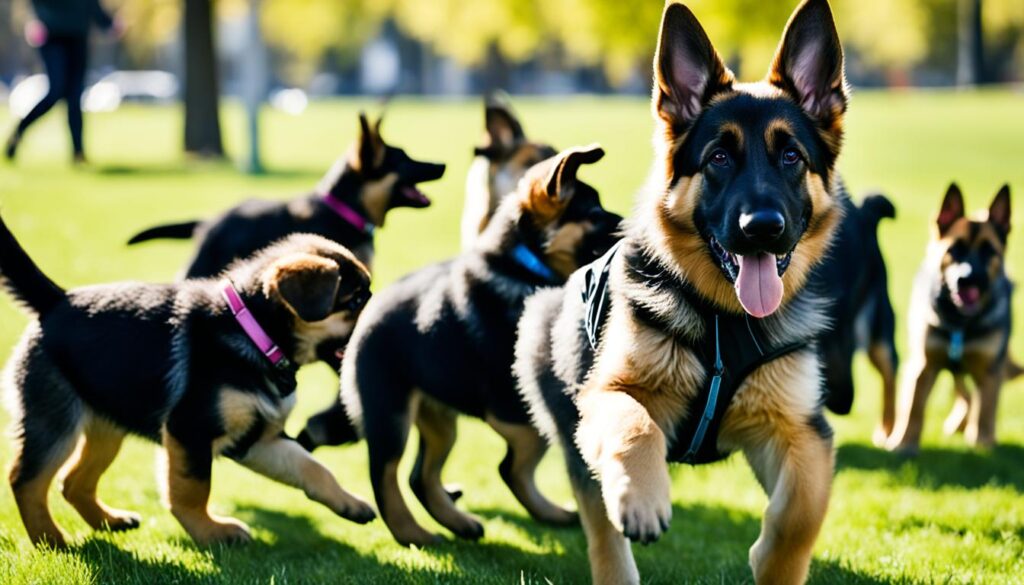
(762, 226)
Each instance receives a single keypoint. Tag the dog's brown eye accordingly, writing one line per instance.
(791, 156)
(719, 158)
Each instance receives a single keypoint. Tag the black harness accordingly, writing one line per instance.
(747, 347)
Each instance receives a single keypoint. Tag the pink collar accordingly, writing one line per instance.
(348, 214)
(249, 324)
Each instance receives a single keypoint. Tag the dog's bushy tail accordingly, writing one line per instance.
(330, 427)
(1013, 370)
(173, 231)
(20, 276)
(874, 209)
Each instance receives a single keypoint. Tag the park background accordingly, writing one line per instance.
(937, 97)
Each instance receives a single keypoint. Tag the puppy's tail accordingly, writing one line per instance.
(20, 276)
(330, 427)
(173, 231)
(874, 209)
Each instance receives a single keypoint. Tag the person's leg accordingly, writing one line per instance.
(54, 56)
(77, 56)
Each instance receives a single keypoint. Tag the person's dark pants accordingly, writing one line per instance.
(64, 58)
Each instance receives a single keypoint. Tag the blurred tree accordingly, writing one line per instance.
(970, 62)
(202, 88)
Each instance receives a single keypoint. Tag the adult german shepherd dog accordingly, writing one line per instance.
(960, 320)
(348, 204)
(696, 335)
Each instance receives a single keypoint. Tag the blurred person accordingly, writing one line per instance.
(61, 33)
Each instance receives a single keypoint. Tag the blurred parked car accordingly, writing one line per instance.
(112, 89)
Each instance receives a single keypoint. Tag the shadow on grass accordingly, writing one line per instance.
(941, 467)
(181, 169)
(706, 544)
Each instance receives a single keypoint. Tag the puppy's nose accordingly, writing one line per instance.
(762, 226)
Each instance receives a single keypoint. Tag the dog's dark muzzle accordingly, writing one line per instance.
(423, 172)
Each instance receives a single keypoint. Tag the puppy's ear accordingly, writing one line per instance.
(369, 145)
(809, 63)
(952, 209)
(553, 182)
(503, 128)
(687, 70)
(308, 284)
(999, 211)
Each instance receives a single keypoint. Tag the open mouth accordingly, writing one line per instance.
(757, 278)
(413, 196)
(967, 299)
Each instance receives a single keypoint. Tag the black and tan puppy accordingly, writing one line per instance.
(439, 342)
(697, 335)
(351, 200)
(960, 320)
(498, 166)
(206, 368)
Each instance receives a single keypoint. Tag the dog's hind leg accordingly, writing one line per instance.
(436, 423)
(386, 421)
(906, 436)
(526, 448)
(883, 356)
(981, 423)
(956, 421)
(96, 451)
(46, 421)
(284, 460)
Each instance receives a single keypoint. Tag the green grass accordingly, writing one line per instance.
(950, 516)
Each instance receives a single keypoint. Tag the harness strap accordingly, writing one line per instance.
(710, 406)
(955, 351)
(595, 293)
(525, 257)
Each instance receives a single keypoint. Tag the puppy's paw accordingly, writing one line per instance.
(121, 520)
(416, 536)
(357, 510)
(880, 437)
(223, 531)
(468, 528)
(640, 508)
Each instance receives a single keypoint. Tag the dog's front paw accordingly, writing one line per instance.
(355, 509)
(639, 507)
(121, 520)
(223, 531)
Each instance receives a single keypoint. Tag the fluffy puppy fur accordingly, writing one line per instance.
(742, 207)
(170, 363)
(439, 342)
(960, 321)
(499, 163)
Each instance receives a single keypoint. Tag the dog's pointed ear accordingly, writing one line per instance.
(999, 211)
(952, 209)
(561, 181)
(504, 130)
(551, 184)
(307, 284)
(687, 70)
(369, 145)
(809, 63)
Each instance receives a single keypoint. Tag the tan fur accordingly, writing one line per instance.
(188, 498)
(375, 197)
(773, 129)
(436, 423)
(528, 448)
(97, 449)
(881, 358)
(560, 251)
(309, 335)
(31, 496)
(396, 514)
(611, 561)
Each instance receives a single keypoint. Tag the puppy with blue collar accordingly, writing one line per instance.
(439, 342)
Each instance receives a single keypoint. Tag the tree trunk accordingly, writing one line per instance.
(202, 117)
(970, 64)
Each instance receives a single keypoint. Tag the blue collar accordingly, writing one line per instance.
(955, 352)
(528, 260)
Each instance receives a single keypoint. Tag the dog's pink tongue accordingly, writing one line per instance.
(759, 286)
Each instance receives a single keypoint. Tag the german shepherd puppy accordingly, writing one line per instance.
(440, 341)
(697, 337)
(173, 363)
(960, 320)
(498, 166)
(352, 199)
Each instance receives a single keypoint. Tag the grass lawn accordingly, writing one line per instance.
(950, 516)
